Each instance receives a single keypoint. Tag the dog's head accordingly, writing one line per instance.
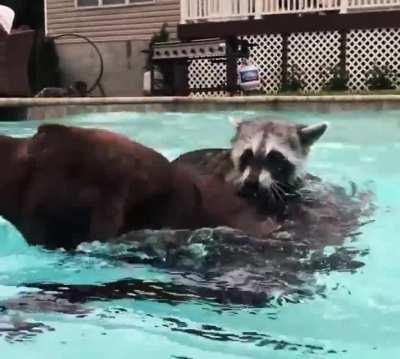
(269, 156)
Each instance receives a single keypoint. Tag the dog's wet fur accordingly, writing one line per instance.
(67, 185)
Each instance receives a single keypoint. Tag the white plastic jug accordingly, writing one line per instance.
(249, 77)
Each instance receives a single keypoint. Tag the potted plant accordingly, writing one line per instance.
(294, 80)
(334, 78)
(380, 77)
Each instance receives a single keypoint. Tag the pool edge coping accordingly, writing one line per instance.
(87, 101)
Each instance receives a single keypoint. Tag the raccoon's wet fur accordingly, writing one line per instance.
(267, 159)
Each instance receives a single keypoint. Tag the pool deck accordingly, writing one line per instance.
(88, 101)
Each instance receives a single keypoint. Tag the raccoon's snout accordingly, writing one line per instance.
(250, 187)
(250, 182)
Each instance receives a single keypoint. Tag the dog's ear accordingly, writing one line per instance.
(310, 134)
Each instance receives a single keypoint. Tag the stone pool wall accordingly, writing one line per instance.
(53, 108)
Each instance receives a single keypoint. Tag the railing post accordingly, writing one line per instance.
(222, 9)
(258, 8)
(184, 11)
(209, 8)
(344, 5)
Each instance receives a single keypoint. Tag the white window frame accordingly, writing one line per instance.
(101, 6)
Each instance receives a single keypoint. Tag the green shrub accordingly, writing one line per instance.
(161, 36)
(335, 78)
(294, 81)
(379, 78)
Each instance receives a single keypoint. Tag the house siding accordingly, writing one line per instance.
(120, 33)
(131, 22)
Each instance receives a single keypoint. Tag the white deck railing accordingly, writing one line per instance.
(225, 10)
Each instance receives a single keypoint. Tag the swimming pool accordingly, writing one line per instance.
(112, 307)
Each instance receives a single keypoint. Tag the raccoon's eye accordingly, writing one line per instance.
(245, 159)
(278, 164)
(274, 159)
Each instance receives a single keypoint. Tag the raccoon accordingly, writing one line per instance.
(269, 156)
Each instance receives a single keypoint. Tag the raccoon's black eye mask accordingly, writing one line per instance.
(246, 159)
(280, 192)
(276, 163)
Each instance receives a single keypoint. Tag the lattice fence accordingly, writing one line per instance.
(206, 73)
(366, 47)
(311, 52)
(267, 55)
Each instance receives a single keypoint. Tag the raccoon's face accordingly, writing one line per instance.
(269, 156)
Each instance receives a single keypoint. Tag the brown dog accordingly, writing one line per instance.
(66, 185)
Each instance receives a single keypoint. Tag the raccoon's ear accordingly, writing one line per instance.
(310, 134)
(235, 121)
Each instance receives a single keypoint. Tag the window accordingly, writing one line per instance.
(113, 2)
(94, 3)
(88, 2)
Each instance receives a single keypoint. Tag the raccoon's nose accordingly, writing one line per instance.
(250, 187)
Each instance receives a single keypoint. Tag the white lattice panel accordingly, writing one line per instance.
(208, 93)
(205, 73)
(311, 52)
(267, 55)
(364, 47)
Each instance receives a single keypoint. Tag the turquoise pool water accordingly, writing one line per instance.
(113, 308)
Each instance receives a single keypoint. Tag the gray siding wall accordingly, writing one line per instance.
(129, 22)
(123, 66)
(121, 33)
